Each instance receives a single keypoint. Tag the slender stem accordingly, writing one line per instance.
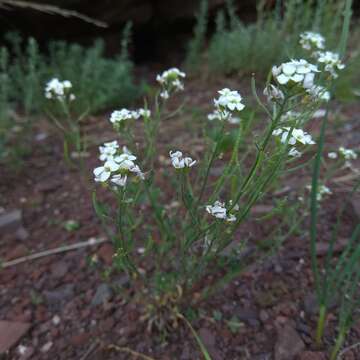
(338, 344)
(212, 158)
(320, 325)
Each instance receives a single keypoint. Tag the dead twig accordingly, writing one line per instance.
(129, 351)
(92, 347)
(50, 9)
(90, 242)
(340, 356)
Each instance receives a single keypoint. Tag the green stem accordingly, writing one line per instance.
(338, 344)
(320, 325)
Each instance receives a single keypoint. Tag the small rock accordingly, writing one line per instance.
(46, 347)
(263, 315)
(80, 339)
(247, 315)
(60, 295)
(311, 305)
(311, 355)
(289, 344)
(56, 320)
(41, 136)
(103, 294)
(21, 234)
(106, 253)
(11, 333)
(59, 269)
(49, 185)
(10, 221)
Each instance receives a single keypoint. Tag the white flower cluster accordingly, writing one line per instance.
(223, 115)
(295, 72)
(297, 136)
(229, 100)
(311, 40)
(117, 166)
(331, 60)
(59, 90)
(180, 162)
(348, 154)
(227, 105)
(119, 116)
(170, 80)
(322, 191)
(219, 211)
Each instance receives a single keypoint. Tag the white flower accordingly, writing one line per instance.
(322, 190)
(319, 93)
(273, 93)
(311, 40)
(294, 152)
(295, 72)
(219, 211)
(319, 113)
(331, 60)
(119, 180)
(102, 173)
(229, 100)
(180, 162)
(297, 135)
(144, 113)
(348, 154)
(332, 155)
(125, 161)
(164, 95)
(59, 90)
(108, 150)
(117, 166)
(223, 115)
(170, 80)
(290, 115)
(118, 116)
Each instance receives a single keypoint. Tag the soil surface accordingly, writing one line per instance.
(266, 312)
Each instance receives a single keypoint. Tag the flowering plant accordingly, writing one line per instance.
(60, 98)
(185, 235)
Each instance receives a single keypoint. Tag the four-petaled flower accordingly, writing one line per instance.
(219, 211)
(295, 72)
(180, 162)
(229, 100)
(103, 173)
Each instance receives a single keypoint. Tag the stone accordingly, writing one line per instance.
(59, 269)
(106, 253)
(311, 305)
(46, 347)
(312, 355)
(11, 333)
(21, 234)
(10, 221)
(60, 295)
(247, 315)
(102, 295)
(289, 344)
